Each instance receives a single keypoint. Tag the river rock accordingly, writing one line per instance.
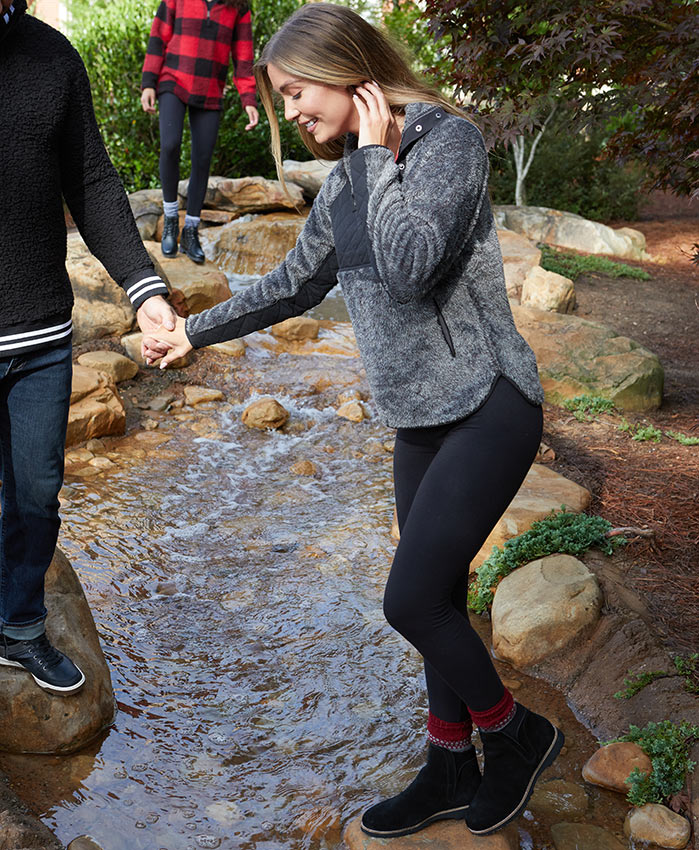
(147, 208)
(583, 836)
(247, 194)
(19, 829)
(207, 218)
(118, 367)
(548, 291)
(444, 835)
(96, 410)
(296, 328)
(202, 286)
(542, 491)
(519, 256)
(304, 467)
(568, 230)
(84, 842)
(559, 798)
(352, 410)
(541, 607)
(194, 395)
(255, 247)
(265, 413)
(35, 721)
(659, 825)
(231, 347)
(310, 175)
(101, 307)
(322, 823)
(610, 766)
(578, 357)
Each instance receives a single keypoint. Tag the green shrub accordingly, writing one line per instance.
(565, 532)
(573, 265)
(112, 39)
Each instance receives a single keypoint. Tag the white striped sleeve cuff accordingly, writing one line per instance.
(143, 284)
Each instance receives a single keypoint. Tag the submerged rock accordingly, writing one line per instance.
(35, 721)
(541, 607)
(558, 797)
(443, 835)
(610, 766)
(659, 825)
(583, 836)
(19, 829)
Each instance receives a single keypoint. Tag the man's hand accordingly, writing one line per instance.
(176, 341)
(253, 117)
(154, 314)
(148, 100)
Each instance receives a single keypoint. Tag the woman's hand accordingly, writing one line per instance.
(148, 100)
(253, 117)
(176, 340)
(377, 124)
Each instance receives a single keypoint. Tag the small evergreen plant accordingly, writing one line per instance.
(573, 265)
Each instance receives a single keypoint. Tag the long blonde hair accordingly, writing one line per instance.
(333, 45)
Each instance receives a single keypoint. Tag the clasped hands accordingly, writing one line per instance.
(163, 332)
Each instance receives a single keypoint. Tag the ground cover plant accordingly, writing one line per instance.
(564, 532)
(573, 265)
(585, 407)
(686, 667)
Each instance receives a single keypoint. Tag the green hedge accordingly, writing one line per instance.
(112, 39)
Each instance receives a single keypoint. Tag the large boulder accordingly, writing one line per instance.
(542, 491)
(541, 607)
(578, 357)
(35, 721)
(247, 194)
(147, 207)
(548, 291)
(96, 410)
(254, 247)
(310, 175)
(519, 256)
(567, 230)
(101, 307)
(201, 286)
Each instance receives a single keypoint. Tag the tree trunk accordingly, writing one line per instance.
(522, 168)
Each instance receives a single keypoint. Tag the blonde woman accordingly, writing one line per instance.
(403, 222)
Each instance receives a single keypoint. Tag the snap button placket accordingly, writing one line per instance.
(418, 127)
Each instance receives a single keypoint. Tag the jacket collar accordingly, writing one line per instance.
(6, 28)
(420, 118)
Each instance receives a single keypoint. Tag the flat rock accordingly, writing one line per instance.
(519, 256)
(265, 413)
(118, 367)
(96, 410)
(559, 798)
(568, 230)
(548, 291)
(541, 607)
(447, 835)
(578, 357)
(296, 328)
(35, 721)
(194, 395)
(310, 175)
(542, 491)
(583, 836)
(202, 286)
(659, 825)
(254, 247)
(247, 194)
(610, 766)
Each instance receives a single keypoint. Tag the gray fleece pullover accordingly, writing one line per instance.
(412, 241)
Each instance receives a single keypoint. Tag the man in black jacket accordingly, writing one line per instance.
(50, 150)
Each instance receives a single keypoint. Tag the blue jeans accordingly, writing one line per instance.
(34, 401)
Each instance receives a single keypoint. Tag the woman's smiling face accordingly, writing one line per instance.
(326, 112)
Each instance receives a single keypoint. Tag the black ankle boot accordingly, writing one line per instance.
(171, 230)
(514, 758)
(442, 790)
(189, 244)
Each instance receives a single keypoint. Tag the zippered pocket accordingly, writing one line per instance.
(445, 328)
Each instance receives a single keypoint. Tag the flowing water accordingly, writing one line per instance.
(263, 700)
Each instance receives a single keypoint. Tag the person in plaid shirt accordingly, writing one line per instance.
(191, 43)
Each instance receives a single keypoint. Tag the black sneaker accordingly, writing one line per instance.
(190, 245)
(51, 669)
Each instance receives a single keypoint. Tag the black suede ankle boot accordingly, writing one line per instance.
(189, 244)
(442, 790)
(514, 758)
(171, 230)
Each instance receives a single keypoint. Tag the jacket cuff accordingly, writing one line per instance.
(142, 285)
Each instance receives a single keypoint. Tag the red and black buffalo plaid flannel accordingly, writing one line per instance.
(191, 43)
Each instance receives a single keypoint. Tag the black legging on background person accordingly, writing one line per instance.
(204, 124)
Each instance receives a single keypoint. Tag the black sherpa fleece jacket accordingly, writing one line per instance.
(50, 149)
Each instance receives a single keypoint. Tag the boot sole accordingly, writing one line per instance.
(548, 759)
(54, 689)
(447, 814)
(198, 262)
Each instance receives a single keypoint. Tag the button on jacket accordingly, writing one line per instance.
(414, 246)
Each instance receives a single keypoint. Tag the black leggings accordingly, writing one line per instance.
(203, 124)
(453, 483)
